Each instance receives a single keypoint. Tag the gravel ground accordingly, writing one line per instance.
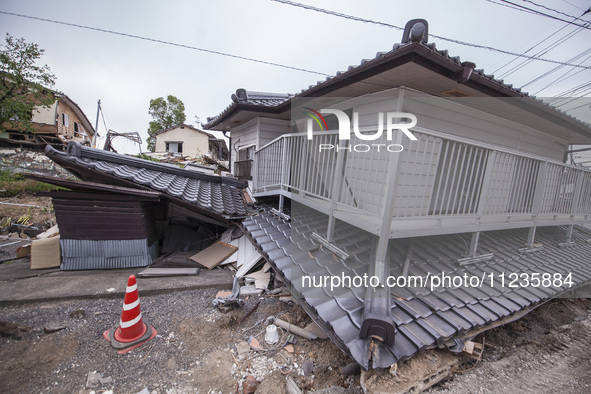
(202, 350)
(195, 350)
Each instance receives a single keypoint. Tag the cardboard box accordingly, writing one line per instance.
(45, 253)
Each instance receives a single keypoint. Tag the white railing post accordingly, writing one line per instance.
(577, 193)
(540, 186)
(485, 187)
(255, 172)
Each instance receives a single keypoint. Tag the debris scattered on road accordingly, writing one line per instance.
(54, 328)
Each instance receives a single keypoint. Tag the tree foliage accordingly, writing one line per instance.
(165, 114)
(23, 84)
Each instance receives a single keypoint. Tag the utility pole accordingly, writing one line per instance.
(94, 140)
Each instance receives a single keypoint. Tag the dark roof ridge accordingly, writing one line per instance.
(183, 125)
(76, 150)
(243, 95)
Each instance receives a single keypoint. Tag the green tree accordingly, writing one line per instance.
(23, 84)
(165, 113)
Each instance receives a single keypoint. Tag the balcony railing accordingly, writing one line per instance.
(436, 184)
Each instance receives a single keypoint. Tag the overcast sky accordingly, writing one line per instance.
(125, 73)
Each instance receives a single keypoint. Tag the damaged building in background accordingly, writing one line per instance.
(56, 125)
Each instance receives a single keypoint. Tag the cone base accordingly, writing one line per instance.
(124, 347)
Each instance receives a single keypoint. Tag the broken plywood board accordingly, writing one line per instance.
(157, 272)
(51, 232)
(246, 254)
(213, 255)
(248, 257)
(261, 279)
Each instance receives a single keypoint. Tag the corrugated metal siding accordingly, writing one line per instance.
(80, 254)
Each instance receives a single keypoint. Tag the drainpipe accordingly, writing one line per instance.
(229, 137)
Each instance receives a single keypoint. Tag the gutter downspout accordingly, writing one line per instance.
(229, 137)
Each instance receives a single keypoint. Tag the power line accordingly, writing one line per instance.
(358, 19)
(166, 42)
(508, 6)
(546, 15)
(564, 76)
(526, 61)
(550, 9)
(585, 52)
(543, 51)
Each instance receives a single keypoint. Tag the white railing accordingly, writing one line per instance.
(436, 177)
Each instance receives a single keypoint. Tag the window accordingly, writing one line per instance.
(76, 127)
(243, 166)
(65, 120)
(174, 147)
(246, 153)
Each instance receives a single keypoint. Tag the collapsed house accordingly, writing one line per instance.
(459, 208)
(366, 226)
(126, 210)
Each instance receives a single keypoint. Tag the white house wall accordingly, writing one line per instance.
(452, 118)
(194, 143)
(243, 136)
(257, 132)
(269, 129)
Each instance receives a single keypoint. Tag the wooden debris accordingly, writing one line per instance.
(254, 308)
(159, 272)
(292, 387)
(415, 375)
(473, 350)
(213, 255)
(261, 279)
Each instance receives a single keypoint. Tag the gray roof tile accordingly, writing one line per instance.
(422, 319)
(211, 193)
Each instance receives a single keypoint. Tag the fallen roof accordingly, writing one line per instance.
(424, 319)
(210, 194)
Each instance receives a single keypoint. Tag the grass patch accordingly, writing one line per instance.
(12, 184)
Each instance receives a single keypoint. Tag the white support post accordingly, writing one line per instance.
(283, 172)
(335, 192)
(474, 243)
(530, 237)
(569, 234)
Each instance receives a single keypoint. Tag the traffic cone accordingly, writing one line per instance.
(132, 330)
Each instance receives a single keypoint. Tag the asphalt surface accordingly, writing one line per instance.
(20, 284)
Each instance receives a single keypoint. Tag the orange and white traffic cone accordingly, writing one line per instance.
(132, 330)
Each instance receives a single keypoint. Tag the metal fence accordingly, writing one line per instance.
(434, 176)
